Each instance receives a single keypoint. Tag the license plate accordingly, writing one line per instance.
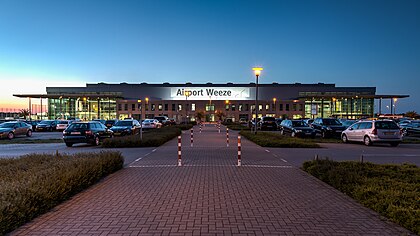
(75, 132)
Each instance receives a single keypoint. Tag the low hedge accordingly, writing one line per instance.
(391, 190)
(152, 138)
(35, 183)
(269, 139)
(237, 126)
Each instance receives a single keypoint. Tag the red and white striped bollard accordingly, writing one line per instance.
(227, 137)
(192, 137)
(239, 150)
(179, 151)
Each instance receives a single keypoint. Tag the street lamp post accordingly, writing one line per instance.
(395, 106)
(257, 71)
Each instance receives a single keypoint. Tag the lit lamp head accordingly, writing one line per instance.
(257, 70)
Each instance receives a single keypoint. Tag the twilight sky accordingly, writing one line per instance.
(349, 43)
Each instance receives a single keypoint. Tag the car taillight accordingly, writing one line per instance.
(375, 131)
(88, 132)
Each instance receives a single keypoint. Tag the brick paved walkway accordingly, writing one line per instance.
(210, 195)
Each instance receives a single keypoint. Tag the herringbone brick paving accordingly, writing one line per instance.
(209, 195)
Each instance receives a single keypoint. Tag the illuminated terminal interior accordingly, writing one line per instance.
(186, 102)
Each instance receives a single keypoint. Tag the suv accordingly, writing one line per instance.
(86, 132)
(368, 132)
(164, 120)
(267, 122)
(328, 127)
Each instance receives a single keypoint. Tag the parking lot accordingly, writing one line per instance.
(378, 153)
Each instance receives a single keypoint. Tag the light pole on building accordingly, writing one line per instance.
(257, 71)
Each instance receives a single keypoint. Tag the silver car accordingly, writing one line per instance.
(375, 131)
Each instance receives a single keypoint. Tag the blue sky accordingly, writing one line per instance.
(349, 43)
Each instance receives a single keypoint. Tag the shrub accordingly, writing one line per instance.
(268, 139)
(152, 138)
(391, 190)
(35, 183)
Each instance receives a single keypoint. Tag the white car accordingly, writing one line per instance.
(151, 124)
(62, 124)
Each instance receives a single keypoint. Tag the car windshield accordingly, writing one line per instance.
(46, 122)
(299, 123)
(331, 122)
(386, 125)
(124, 123)
(7, 125)
(78, 126)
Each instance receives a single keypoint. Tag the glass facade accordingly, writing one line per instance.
(349, 108)
(82, 108)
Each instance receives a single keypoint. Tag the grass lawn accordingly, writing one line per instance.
(391, 190)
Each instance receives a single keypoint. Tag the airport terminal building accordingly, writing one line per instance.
(184, 102)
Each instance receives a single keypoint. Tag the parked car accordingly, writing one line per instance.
(86, 132)
(126, 127)
(151, 124)
(46, 125)
(347, 123)
(110, 123)
(32, 123)
(375, 131)
(296, 128)
(172, 121)
(278, 123)
(267, 123)
(62, 124)
(15, 128)
(412, 129)
(328, 127)
(163, 120)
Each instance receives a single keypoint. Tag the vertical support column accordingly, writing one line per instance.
(179, 151)
(239, 150)
(192, 137)
(227, 137)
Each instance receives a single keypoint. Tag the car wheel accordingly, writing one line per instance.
(282, 132)
(394, 144)
(69, 144)
(97, 141)
(293, 134)
(344, 138)
(367, 141)
(29, 133)
(10, 135)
